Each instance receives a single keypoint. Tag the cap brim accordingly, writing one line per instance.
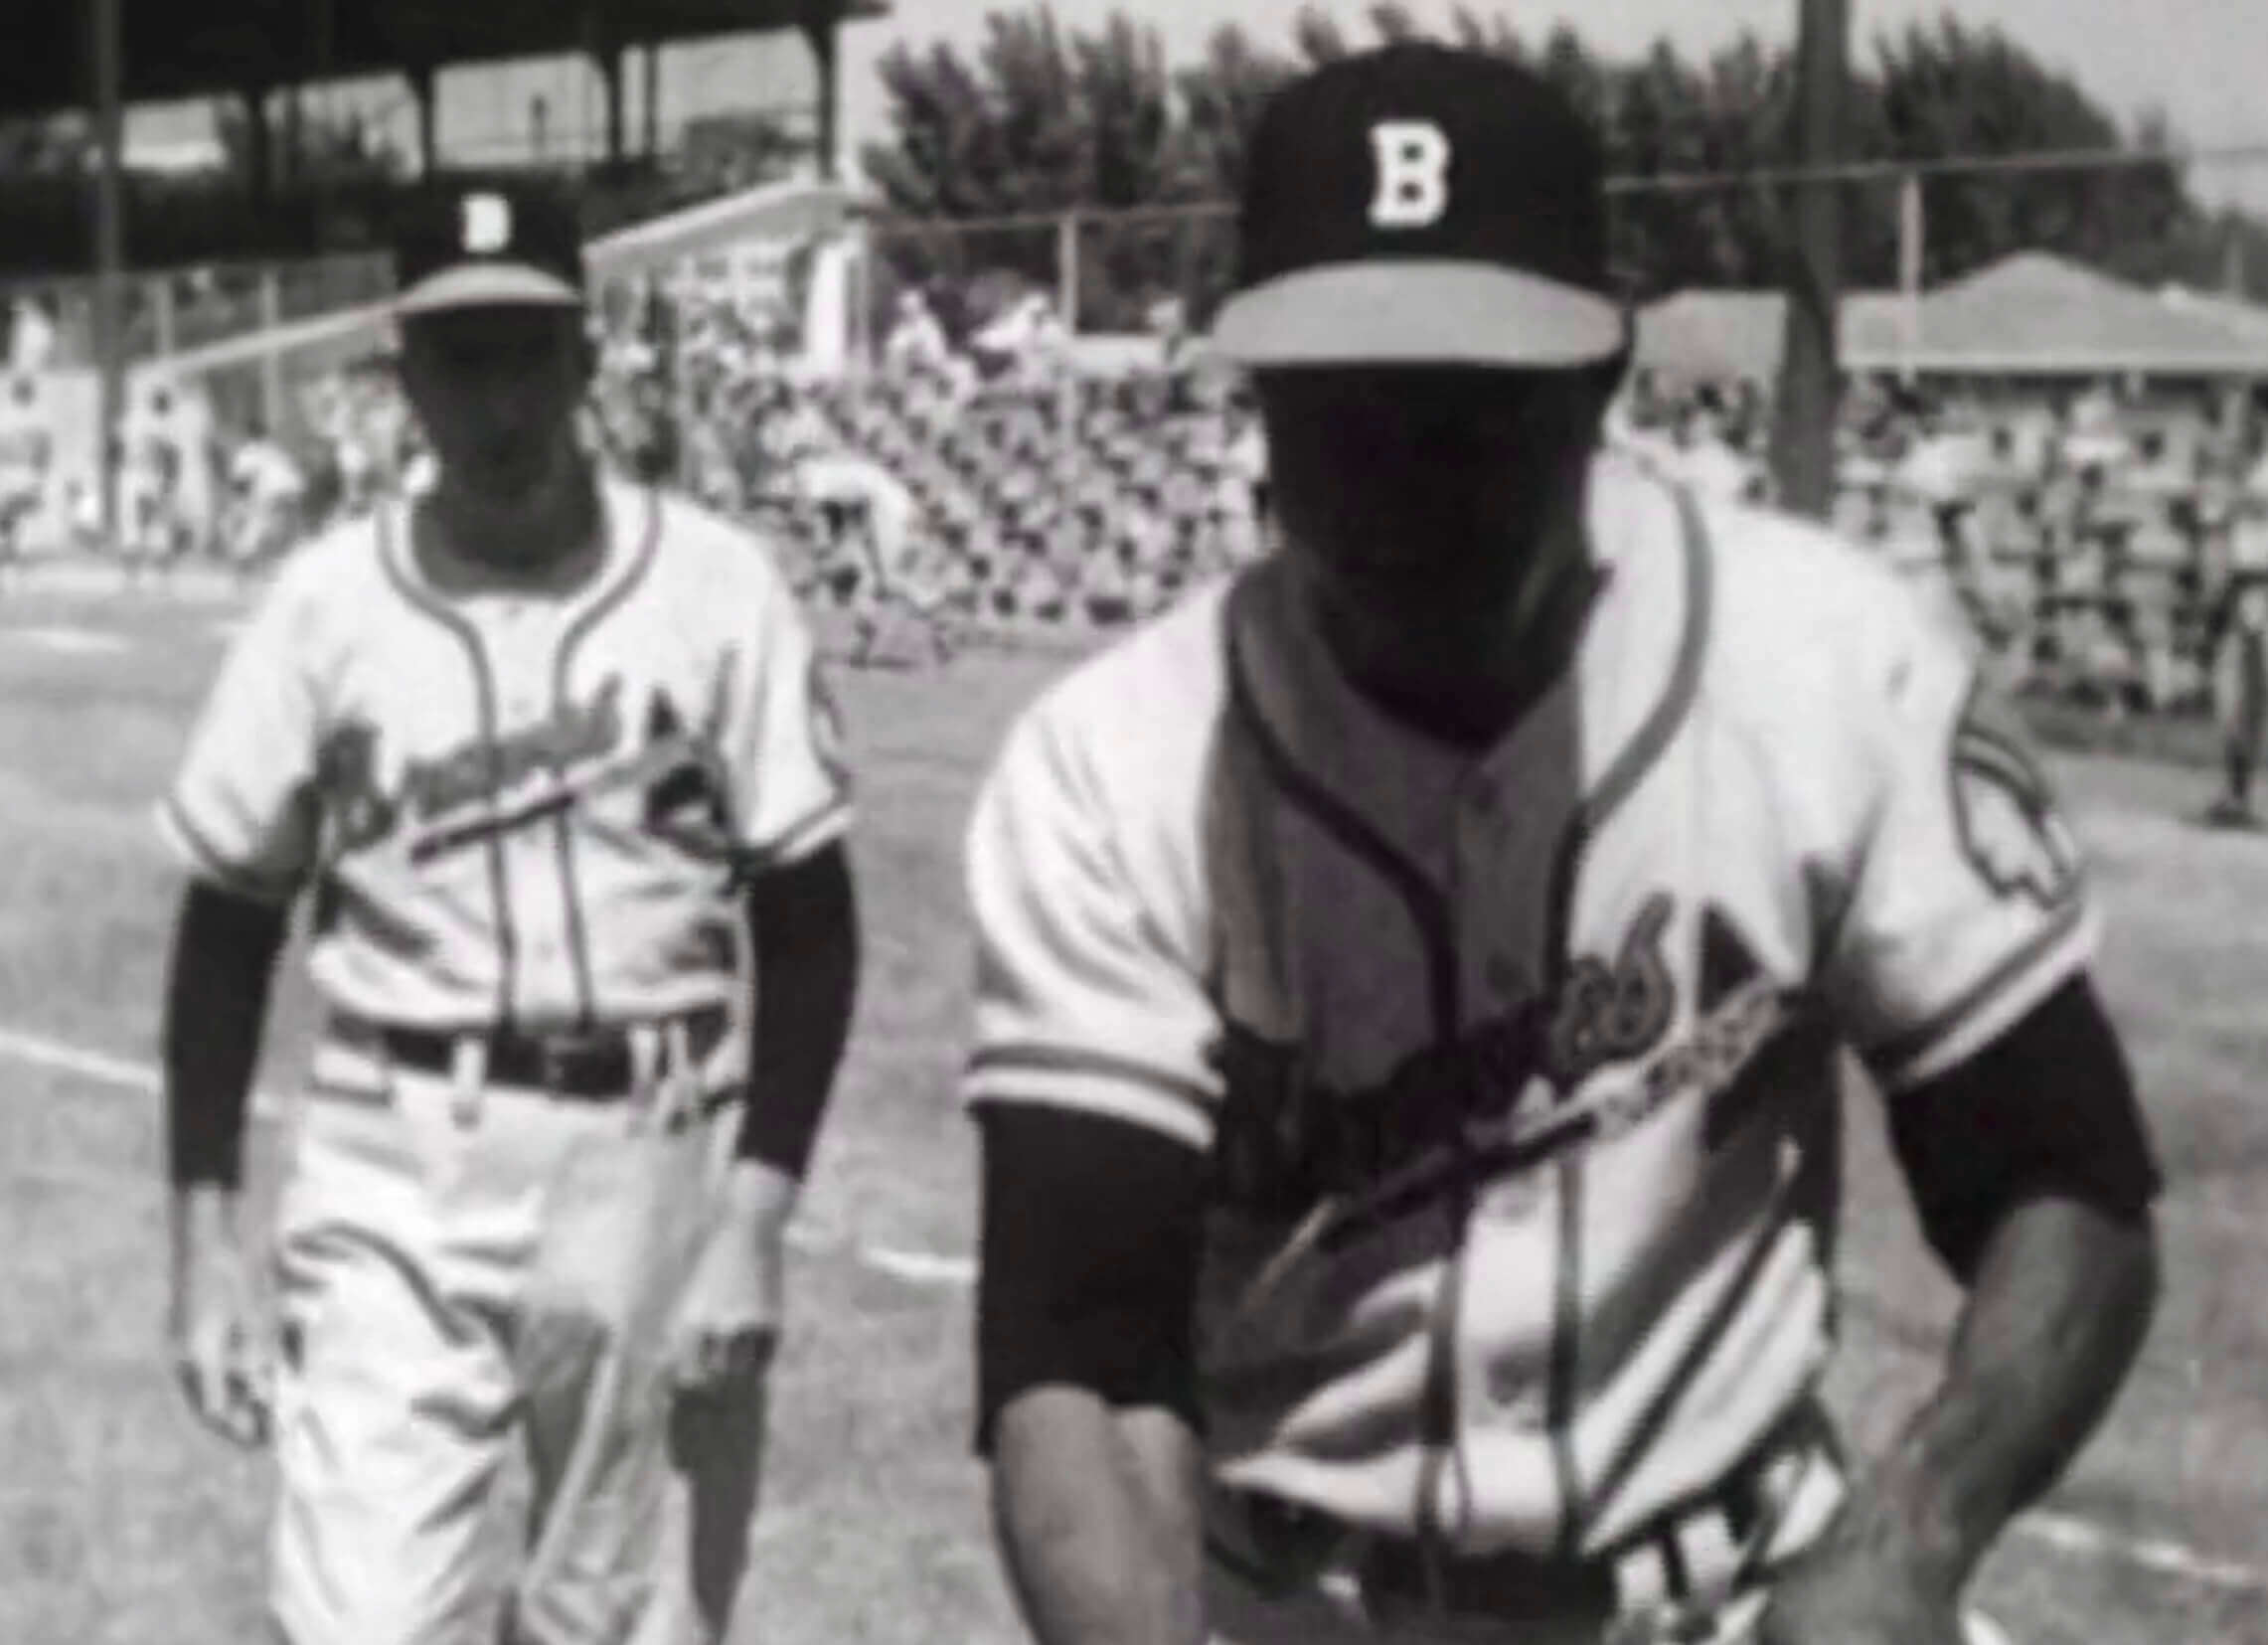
(1414, 312)
(488, 285)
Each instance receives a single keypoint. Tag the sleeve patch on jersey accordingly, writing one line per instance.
(2004, 811)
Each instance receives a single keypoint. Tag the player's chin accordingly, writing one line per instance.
(1415, 556)
(1429, 595)
(506, 479)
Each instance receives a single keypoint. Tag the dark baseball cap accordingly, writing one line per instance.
(1423, 204)
(485, 248)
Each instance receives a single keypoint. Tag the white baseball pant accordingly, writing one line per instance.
(461, 1268)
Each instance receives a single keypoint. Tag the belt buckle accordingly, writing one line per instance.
(553, 1061)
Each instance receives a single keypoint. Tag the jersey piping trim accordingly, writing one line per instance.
(1893, 1061)
(608, 600)
(1637, 758)
(822, 826)
(391, 546)
(1037, 1059)
(1648, 1427)
(1428, 911)
(1153, 1096)
(1424, 901)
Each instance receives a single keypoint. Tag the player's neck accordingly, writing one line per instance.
(1467, 678)
(551, 543)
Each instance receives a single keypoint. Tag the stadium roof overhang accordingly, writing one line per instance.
(185, 48)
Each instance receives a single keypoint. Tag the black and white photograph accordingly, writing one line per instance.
(1067, 822)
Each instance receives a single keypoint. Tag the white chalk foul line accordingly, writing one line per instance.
(36, 1051)
(2168, 1559)
(928, 1269)
(91, 1065)
(921, 1268)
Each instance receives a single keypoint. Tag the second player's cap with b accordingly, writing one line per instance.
(486, 247)
(1423, 204)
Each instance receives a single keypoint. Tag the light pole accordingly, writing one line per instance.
(1803, 445)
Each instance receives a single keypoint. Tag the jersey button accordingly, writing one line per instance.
(1518, 1401)
(1481, 796)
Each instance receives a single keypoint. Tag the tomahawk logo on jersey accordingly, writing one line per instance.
(568, 766)
(1483, 1048)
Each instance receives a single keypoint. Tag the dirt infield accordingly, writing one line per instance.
(119, 1522)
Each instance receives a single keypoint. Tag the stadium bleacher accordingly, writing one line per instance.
(1007, 482)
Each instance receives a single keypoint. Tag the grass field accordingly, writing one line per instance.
(122, 1523)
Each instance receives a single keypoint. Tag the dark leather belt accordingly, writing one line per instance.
(593, 1066)
(1506, 1587)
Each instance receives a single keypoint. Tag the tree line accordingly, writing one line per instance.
(1041, 118)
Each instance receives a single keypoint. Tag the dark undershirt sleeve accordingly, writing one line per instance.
(804, 931)
(2047, 1109)
(223, 969)
(1089, 1262)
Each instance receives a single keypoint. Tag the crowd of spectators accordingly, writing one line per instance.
(958, 486)
(2088, 541)
(994, 476)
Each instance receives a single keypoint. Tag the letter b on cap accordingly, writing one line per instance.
(485, 223)
(1413, 174)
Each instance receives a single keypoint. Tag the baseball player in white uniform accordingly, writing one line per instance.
(27, 447)
(2238, 671)
(1411, 982)
(267, 494)
(548, 759)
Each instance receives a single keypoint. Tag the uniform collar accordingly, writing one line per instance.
(630, 528)
(1626, 689)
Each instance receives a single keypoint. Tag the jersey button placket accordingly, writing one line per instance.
(1504, 980)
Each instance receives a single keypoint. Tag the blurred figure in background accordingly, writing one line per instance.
(27, 449)
(265, 492)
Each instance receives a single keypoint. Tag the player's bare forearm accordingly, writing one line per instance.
(759, 1197)
(2058, 1312)
(1097, 1514)
(202, 1219)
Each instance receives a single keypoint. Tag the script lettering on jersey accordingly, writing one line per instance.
(471, 773)
(581, 749)
(1612, 1013)
(480, 770)
(1287, 1141)
(1515, 1094)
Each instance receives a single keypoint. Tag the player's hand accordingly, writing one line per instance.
(213, 1321)
(728, 1329)
(1860, 1590)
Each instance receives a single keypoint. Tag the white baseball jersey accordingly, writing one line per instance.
(1517, 1070)
(517, 809)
